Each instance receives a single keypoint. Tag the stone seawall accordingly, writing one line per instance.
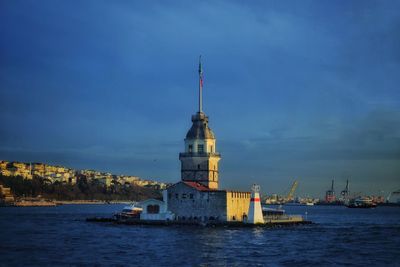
(270, 223)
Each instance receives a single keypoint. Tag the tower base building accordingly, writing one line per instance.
(191, 201)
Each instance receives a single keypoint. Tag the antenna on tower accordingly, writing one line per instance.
(200, 86)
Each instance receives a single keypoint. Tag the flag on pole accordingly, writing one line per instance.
(200, 73)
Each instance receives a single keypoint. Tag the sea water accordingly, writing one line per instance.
(60, 236)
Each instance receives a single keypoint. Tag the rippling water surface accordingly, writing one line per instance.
(59, 236)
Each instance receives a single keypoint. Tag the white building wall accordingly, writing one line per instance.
(163, 214)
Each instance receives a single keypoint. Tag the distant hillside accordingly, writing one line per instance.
(61, 183)
(84, 189)
(67, 175)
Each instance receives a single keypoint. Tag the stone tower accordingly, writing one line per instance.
(199, 162)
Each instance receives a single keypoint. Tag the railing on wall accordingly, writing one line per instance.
(198, 154)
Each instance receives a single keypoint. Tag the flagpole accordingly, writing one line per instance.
(200, 87)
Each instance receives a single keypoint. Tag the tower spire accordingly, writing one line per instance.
(200, 86)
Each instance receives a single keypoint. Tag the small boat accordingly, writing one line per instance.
(128, 212)
(361, 202)
(299, 204)
(273, 212)
(278, 215)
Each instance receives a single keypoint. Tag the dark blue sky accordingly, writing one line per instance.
(305, 90)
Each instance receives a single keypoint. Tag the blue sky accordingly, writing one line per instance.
(305, 90)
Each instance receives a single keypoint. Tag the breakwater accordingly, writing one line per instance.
(289, 221)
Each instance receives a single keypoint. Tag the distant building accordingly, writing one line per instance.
(3, 164)
(6, 197)
(127, 179)
(105, 180)
(59, 174)
(394, 197)
(15, 169)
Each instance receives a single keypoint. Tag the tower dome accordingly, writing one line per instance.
(200, 129)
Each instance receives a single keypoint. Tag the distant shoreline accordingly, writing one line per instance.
(69, 202)
(50, 203)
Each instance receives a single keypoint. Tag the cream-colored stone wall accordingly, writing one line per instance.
(237, 204)
(188, 203)
(208, 144)
(201, 169)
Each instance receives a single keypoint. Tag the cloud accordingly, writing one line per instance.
(308, 89)
(344, 150)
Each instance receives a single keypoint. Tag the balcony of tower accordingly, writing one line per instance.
(199, 154)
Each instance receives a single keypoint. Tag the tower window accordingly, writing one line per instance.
(190, 148)
(198, 166)
(200, 148)
(212, 149)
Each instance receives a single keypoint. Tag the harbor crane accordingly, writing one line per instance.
(388, 197)
(345, 193)
(292, 190)
(330, 194)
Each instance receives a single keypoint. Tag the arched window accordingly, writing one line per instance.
(153, 209)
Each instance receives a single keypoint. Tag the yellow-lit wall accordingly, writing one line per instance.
(237, 205)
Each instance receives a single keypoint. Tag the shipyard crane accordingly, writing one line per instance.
(345, 193)
(291, 192)
(388, 197)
